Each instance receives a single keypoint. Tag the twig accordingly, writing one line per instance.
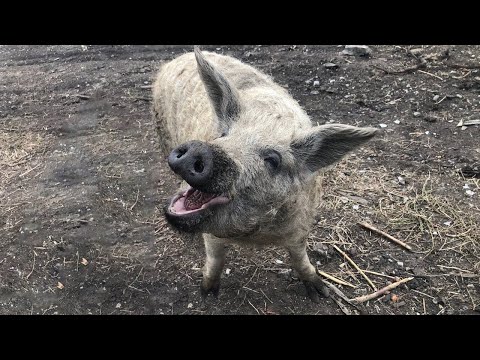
(131, 207)
(83, 97)
(390, 237)
(454, 268)
(342, 307)
(464, 66)
(427, 73)
(403, 71)
(334, 279)
(271, 302)
(26, 172)
(380, 274)
(441, 100)
(133, 282)
(356, 267)
(340, 294)
(382, 291)
(33, 267)
(471, 299)
(253, 307)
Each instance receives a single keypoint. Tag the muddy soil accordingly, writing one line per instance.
(82, 184)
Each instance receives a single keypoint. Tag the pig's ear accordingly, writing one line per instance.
(222, 94)
(327, 144)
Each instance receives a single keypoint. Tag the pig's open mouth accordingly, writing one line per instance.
(193, 200)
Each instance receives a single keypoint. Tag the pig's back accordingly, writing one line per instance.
(180, 103)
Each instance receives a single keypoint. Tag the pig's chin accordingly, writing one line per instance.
(188, 209)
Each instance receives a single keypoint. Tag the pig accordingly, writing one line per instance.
(250, 158)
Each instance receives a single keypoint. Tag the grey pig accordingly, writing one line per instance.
(249, 157)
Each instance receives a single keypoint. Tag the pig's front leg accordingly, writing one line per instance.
(306, 271)
(214, 263)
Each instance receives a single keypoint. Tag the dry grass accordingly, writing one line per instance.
(18, 150)
(422, 213)
(426, 214)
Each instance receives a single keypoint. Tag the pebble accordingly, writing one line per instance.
(416, 51)
(357, 50)
(330, 66)
(416, 114)
(316, 83)
(436, 97)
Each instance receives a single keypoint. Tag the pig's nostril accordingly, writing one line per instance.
(181, 152)
(198, 166)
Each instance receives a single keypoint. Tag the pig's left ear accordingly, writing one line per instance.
(223, 96)
(327, 144)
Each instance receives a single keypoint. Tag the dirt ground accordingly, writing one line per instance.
(82, 184)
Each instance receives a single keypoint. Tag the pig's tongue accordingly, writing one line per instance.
(196, 199)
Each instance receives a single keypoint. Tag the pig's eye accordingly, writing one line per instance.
(223, 134)
(273, 160)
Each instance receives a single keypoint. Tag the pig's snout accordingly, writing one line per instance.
(193, 161)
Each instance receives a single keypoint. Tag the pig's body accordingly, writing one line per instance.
(255, 152)
(183, 111)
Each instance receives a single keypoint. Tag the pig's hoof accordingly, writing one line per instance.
(315, 289)
(209, 286)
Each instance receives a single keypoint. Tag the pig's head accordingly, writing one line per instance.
(244, 179)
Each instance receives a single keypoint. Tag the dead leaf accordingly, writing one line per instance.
(60, 285)
(84, 261)
(394, 298)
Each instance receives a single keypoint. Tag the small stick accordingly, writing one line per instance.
(83, 97)
(427, 73)
(341, 295)
(382, 291)
(441, 100)
(253, 307)
(338, 292)
(334, 279)
(131, 207)
(33, 267)
(380, 274)
(355, 266)
(26, 172)
(271, 302)
(342, 307)
(454, 268)
(403, 71)
(390, 237)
